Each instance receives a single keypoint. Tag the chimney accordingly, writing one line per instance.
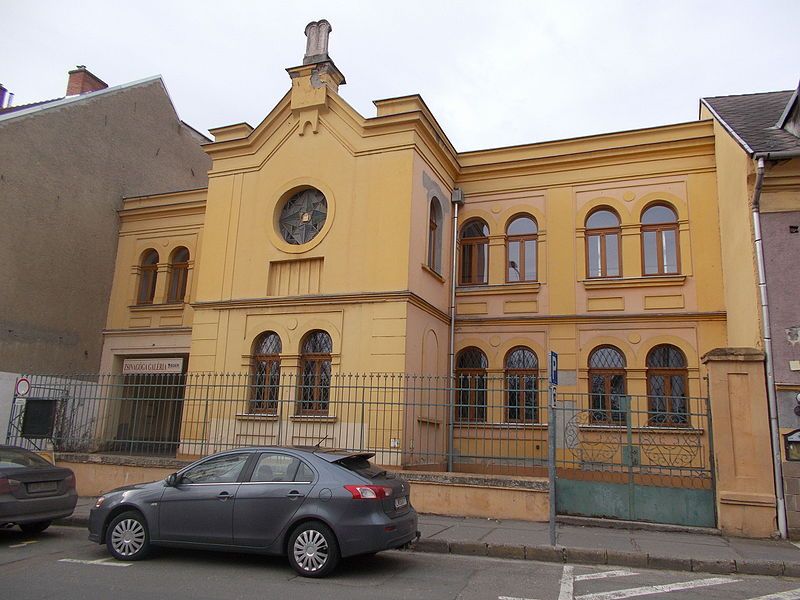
(82, 81)
(3, 92)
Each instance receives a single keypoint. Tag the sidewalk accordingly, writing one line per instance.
(590, 544)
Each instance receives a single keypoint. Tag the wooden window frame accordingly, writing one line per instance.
(473, 267)
(659, 230)
(476, 411)
(607, 374)
(602, 233)
(434, 249)
(148, 277)
(522, 374)
(667, 373)
(179, 272)
(521, 239)
(316, 405)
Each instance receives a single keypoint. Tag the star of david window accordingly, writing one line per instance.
(303, 216)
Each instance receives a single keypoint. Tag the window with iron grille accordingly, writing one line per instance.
(315, 374)
(667, 387)
(471, 365)
(148, 273)
(265, 372)
(607, 385)
(521, 370)
(178, 275)
(660, 251)
(603, 249)
(474, 266)
(521, 238)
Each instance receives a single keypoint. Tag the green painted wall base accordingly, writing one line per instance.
(654, 504)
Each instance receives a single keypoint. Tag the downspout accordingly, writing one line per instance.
(457, 200)
(767, 339)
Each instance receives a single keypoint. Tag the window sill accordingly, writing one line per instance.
(149, 307)
(531, 287)
(630, 282)
(313, 419)
(432, 273)
(257, 417)
(503, 425)
(653, 429)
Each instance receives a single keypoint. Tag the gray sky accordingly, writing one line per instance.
(494, 73)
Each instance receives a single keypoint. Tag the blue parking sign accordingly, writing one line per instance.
(553, 368)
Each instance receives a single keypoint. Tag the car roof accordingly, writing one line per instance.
(327, 454)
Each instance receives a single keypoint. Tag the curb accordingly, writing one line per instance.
(597, 556)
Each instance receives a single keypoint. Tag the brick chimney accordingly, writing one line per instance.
(82, 81)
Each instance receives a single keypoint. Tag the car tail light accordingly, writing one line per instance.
(70, 481)
(8, 485)
(369, 492)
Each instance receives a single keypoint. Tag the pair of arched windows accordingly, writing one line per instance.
(521, 253)
(315, 373)
(659, 227)
(178, 276)
(667, 386)
(521, 367)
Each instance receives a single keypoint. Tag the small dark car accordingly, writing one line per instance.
(313, 506)
(32, 491)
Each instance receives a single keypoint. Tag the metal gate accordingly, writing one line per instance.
(635, 458)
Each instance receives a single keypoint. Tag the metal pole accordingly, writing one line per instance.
(457, 201)
(551, 461)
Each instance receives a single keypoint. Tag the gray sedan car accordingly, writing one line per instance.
(313, 506)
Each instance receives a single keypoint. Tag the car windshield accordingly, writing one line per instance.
(362, 466)
(20, 459)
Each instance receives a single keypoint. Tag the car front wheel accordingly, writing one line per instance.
(127, 537)
(34, 528)
(313, 550)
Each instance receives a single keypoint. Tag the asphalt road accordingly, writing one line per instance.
(61, 563)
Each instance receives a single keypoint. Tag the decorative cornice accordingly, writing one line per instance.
(594, 318)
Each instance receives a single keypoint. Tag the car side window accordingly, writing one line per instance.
(273, 468)
(222, 469)
(304, 473)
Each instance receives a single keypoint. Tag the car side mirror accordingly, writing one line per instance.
(172, 480)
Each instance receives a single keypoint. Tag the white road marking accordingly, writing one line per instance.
(604, 574)
(567, 584)
(787, 595)
(513, 598)
(23, 544)
(656, 589)
(105, 562)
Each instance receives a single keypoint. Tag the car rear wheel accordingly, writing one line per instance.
(313, 550)
(127, 537)
(35, 527)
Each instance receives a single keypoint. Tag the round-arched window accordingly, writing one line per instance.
(303, 216)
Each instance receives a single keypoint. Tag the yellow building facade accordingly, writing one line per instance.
(603, 248)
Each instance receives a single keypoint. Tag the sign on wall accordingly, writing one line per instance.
(133, 366)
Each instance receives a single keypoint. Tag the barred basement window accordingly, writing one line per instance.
(667, 385)
(522, 367)
(471, 365)
(607, 385)
(265, 369)
(315, 374)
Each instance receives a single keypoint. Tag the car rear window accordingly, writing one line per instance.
(19, 459)
(361, 466)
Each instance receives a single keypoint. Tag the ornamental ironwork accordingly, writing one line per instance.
(303, 216)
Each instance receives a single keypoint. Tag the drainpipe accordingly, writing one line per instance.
(774, 430)
(457, 200)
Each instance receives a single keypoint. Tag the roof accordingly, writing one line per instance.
(753, 120)
(9, 109)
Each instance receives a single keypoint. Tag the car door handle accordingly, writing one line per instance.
(223, 496)
(294, 494)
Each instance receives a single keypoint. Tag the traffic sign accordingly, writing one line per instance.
(23, 387)
(553, 368)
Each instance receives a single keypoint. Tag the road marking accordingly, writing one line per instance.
(101, 561)
(656, 589)
(513, 598)
(787, 595)
(604, 574)
(567, 583)
(23, 544)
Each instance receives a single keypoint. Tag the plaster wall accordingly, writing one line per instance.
(64, 173)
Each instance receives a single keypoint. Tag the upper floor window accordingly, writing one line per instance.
(178, 275)
(435, 236)
(265, 368)
(603, 244)
(521, 236)
(660, 241)
(471, 365)
(667, 385)
(148, 273)
(521, 370)
(474, 253)
(315, 373)
(607, 385)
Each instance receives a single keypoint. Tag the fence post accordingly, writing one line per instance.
(451, 425)
(551, 459)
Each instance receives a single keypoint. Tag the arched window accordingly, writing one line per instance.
(660, 241)
(603, 244)
(471, 365)
(667, 385)
(315, 373)
(148, 272)
(474, 253)
(521, 236)
(521, 367)
(178, 274)
(435, 236)
(607, 385)
(265, 368)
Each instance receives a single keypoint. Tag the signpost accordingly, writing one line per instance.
(551, 443)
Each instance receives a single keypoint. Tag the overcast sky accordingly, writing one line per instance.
(494, 73)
